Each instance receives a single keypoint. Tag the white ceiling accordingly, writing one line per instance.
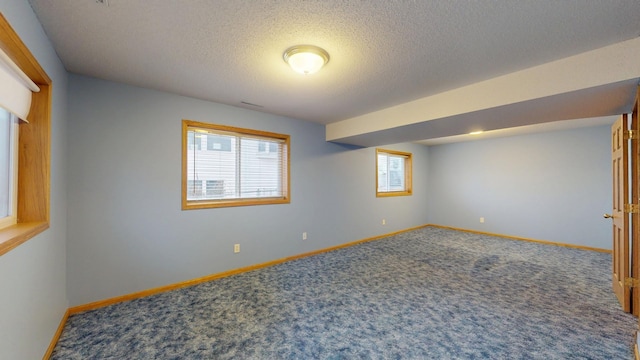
(383, 53)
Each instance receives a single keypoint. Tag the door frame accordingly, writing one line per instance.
(635, 198)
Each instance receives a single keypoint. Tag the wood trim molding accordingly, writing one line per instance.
(56, 336)
(635, 218)
(118, 299)
(13, 46)
(16, 234)
(34, 159)
(161, 289)
(581, 247)
(34, 154)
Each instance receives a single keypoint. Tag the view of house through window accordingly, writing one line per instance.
(226, 166)
(8, 167)
(393, 173)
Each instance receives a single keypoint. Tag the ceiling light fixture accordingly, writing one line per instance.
(476, 132)
(306, 59)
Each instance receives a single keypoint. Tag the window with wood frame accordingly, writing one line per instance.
(393, 173)
(228, 166)
(31, 194)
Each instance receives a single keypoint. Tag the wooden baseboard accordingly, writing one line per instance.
(581, 247)
(161, 289)
(56, 336)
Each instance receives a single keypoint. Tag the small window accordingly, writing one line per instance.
(393, 173)
(231, 169)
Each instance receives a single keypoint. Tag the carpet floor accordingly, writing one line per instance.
(426, 294)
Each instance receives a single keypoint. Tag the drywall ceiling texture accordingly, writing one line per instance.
(383, 53)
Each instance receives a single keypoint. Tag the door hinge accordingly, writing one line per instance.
(631, 208)
(631, 282)
(631, 135)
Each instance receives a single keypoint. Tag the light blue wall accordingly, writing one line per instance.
(127, 231)
(32, 276)
(548, 186)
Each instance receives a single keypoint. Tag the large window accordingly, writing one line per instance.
(231, 170)
(393, 173)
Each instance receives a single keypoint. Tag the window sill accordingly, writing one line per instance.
(14, 235)
(206, 204)
(393, 193)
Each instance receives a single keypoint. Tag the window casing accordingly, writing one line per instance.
(33, 176)
(231, 169)
(393, 173)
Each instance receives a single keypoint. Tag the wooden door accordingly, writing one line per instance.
(620, 169)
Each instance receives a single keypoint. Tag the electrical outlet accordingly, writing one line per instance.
(384, 221)
(236, 248)
(304, 235)
(481, 220)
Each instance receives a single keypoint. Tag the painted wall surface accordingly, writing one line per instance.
(127, 231)
(547, 186)
(32, 276)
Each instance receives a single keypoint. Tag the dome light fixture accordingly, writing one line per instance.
(306, 59)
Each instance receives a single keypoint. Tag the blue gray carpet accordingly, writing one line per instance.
(426, 294)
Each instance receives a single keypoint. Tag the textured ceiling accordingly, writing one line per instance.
(383, 53)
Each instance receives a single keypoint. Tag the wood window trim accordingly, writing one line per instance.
(192, 205)
(34, 144)
(408, 175)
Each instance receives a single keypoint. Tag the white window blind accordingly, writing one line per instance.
(225, 166)
(15, 88)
